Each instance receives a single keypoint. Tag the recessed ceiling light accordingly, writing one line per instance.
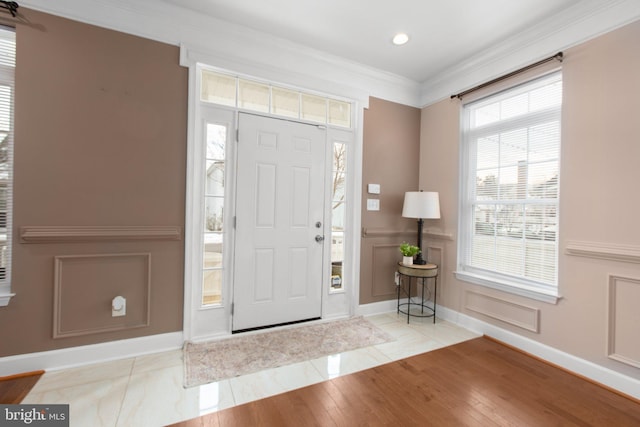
(400, 39)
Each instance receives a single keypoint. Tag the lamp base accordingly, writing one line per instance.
(419, 260)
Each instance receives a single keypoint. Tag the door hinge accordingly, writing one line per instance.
(233, 305)
(238, 135)
(235, 221)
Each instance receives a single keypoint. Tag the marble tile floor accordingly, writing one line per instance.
(148, 390)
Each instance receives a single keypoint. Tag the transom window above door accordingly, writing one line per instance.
(224, 89)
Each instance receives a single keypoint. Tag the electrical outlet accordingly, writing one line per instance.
(397, 278)
(118, 306)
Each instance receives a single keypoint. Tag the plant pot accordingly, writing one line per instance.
(407, 260)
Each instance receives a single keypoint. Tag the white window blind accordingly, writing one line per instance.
(510, 185)
(7, 76)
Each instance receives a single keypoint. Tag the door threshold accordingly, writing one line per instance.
(257, 328)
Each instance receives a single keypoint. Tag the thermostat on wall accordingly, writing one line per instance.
(374, 189)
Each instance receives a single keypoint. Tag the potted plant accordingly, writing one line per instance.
(408, 252)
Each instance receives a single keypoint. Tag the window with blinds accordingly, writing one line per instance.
(7, 76)
(510, 186)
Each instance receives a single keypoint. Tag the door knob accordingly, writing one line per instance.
(319, 238)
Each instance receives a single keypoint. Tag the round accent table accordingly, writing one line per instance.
(421, 274)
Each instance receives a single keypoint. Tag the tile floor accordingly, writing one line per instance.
(148, 390)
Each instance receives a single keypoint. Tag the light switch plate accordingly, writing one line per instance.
(374, 189)
(373, 204)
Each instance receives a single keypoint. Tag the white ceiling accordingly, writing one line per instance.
(343, 47)
(442, 33)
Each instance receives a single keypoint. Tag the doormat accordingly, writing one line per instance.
(231, 357)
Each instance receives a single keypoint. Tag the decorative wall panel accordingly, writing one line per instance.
(624, 318)
(506, 311)
(85, 285)
(383, 266)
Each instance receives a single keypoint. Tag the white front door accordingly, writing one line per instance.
(279, 222)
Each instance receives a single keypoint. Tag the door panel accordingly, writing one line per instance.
(280, 198)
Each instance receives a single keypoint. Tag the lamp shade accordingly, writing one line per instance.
(421, 204)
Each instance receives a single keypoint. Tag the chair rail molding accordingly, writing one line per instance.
(385, 232)
(607, 251)
(67, 234)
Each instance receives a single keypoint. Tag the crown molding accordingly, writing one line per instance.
(237, 48)
(585, 20)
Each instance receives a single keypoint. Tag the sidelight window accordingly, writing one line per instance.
(213, 238)
(7, 76)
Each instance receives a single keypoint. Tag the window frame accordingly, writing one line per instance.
(492, 278)
(7, 78)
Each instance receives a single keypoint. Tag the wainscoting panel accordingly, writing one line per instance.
(385, 258)
(506, 311)
(84, 286)
(624, 318)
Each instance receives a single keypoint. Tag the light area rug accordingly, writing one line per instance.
(243, 354)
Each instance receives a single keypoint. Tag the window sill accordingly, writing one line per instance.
(510, 287)
(5, 298)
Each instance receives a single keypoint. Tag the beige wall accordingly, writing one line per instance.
(100, 140)
(599, 179)
(390, 158)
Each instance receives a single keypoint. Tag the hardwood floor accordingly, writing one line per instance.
(476, 383)
(15, 387)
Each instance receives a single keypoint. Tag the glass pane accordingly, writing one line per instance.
(339, 113)
(285, 102)
(544, 142)
(485, 115)
(5, 108)
(215, 178)
(547, 96)
(339, 157)
(338, 187)
(4, 156)
(484, 219)
(253, 96)
(488, 152)
(337, 248)
(314, 108)
(508, 184)
(213, 214)
(510, 221)
(543, 180)
(216, 141)
(212, 287)
(513, 147)
(218, 88)
(487, 184)
(212, 250)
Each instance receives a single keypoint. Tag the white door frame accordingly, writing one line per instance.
(217, 320)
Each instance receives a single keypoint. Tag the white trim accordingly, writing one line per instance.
(236, 47)
(606, 251)
(378, 307)
(89, 354)
(570, 27)
(577, 365)
(509, 287)
(613, 351)
(5, 297)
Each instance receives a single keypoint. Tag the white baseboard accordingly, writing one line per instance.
(377, 308)
(88, 354)
(615, 380)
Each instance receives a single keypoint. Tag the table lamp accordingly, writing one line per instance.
(422, 205)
